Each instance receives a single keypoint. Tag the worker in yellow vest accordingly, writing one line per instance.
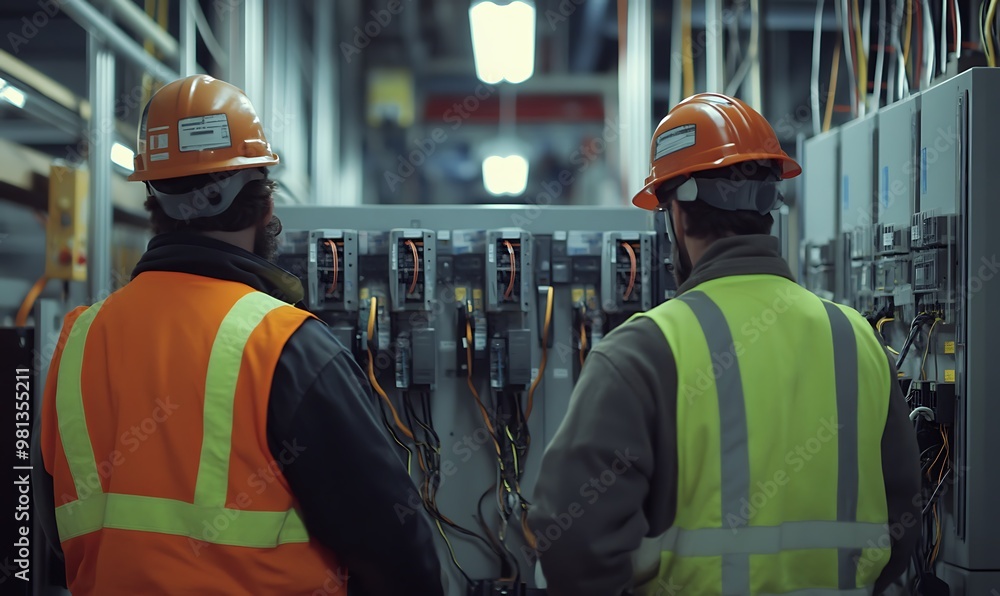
(200, 434)
(745, 437)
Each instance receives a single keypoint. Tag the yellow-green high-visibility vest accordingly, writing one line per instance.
(782, 399)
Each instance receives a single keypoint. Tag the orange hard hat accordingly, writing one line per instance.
(199, 125)
(705, 132)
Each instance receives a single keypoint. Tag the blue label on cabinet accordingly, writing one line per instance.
(845, 198)
(885, 186)
(923, 170)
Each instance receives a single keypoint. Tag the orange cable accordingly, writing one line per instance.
(513, 269)
(21, 320)
(631, 277)
(545, 345)
(416, 265)
(371, 372)
(336, 273)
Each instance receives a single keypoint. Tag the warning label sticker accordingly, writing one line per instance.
(203, 132)
(674, 140)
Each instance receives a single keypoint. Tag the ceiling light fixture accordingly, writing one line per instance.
(503, 39)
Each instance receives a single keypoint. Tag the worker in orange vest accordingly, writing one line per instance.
(201, 435)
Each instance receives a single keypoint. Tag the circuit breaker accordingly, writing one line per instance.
(412, 267)
(333, 270)
(626, 272)
(509, 272)
(66, 229)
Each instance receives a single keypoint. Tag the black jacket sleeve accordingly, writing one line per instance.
(901, 472)
(351, 484)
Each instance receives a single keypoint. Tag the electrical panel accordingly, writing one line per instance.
(509, 273)
(333, 270)
(412, 265)
(66, 228)
(626, 275)
(819, 204)
(473, 330)
(927, 280)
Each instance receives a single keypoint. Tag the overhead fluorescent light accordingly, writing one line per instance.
(123, 156)
(503, 39)
(12, 94)
(505, 175)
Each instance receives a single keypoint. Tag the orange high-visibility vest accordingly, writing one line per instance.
(154, 429)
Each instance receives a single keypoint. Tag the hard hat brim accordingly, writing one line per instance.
(238, 163)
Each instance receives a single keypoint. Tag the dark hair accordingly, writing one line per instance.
(248, 208)
(706, 222)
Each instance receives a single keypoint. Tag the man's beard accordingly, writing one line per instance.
(265, 243)
(681, 262)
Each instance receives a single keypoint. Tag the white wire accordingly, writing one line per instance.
(958, 31)
(814, 84)
(929, 46)
(924, 411)
(902, 84)
(880, 57)
(744, 69)
(846, 27)
(866, 27)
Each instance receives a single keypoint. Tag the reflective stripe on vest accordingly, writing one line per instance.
(259, 529)
(736, 543)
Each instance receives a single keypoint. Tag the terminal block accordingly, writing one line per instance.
(931, 270)
(891, 276)
(626, 274)
(509, 272)
(892, 239)
(333, 270)
(931, 230)
(939, 397)
(471, 328)
(412, 265)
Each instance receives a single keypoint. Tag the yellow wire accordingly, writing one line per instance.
(831, 94)
(989, 32)
(862, 57)
(906, 36)
(687, 54)
(545, 343)
(371, 372)
(878, 327)
(927, 348)
(451, 550)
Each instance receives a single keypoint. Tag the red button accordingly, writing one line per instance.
(65, 258)
(81, 259)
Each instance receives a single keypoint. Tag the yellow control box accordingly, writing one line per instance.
(66, 231)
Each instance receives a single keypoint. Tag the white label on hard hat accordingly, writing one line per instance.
(203, 132)
(159, 156)
(674, 140)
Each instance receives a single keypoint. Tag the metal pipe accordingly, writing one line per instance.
(138, 22)
(101, 136)
(714, 32)
(325, 164)
(189, 39)
(98, 25)
(634, 92)
(755, 84)
(208, 36)
(675, 56)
